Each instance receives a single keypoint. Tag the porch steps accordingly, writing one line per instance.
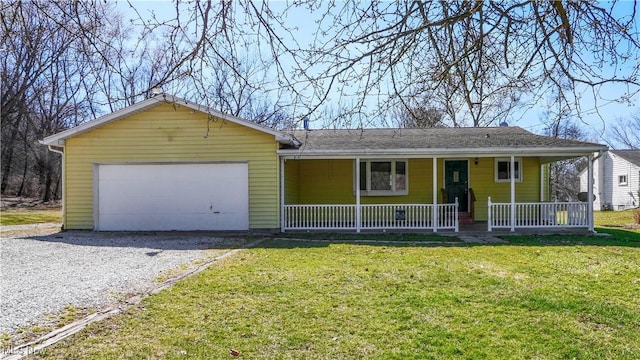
(464, 218)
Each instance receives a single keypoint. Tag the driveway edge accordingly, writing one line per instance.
(33, 347)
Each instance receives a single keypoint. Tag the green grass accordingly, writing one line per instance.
(617, 238)
(23, 217)
(613, 218)
(620, 234)
(314, 300)
(618, 224)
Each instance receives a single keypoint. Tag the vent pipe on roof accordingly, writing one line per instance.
(305, 123)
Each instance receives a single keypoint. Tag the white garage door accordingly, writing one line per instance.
(172, 197)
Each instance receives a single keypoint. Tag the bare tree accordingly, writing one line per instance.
(33, 51)
(481, 59)
(45, 87)
(490, 56)
(420, 117)
(564, 181)
(626, 132)
(241, 91)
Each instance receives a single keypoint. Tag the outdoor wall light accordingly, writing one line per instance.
(476, 161)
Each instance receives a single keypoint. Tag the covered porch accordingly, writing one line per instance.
(424, 189)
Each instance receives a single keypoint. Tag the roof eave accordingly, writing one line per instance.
(470, 152)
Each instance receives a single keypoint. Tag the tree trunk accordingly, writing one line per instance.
(24, 174)
(47, 186)
(56, 190)
(7, 157)
(48, 178)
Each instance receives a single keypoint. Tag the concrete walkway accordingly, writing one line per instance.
(481, 239)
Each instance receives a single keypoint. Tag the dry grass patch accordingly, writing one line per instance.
(28, 216)
(616, 219)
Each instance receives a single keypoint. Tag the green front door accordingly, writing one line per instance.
(456, 182)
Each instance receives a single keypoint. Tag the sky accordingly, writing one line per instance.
(595, 120)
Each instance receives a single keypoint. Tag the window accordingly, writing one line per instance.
(622, 180)
(503, 170)
(383, 177)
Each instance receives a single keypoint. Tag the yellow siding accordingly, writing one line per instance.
(325, 182)
(331, 182)
(482, 180)
(171, 134)
(291, 182)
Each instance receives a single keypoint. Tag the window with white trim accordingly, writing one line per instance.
(503, 169)
(383, 177)
(622, 180)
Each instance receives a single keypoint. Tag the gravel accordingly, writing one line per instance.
(42, 274)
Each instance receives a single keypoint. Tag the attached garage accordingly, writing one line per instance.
(171, 197)
(166, 164)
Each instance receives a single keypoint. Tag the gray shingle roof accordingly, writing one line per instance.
(632, 156)
(487, 139)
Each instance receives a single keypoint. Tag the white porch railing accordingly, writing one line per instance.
(319, 217)
(378, 216)
(538, 215)
(448, 216)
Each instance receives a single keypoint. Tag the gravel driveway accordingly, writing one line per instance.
(42, 274)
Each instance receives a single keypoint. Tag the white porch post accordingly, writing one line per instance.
(489, 211)
(513, 194)
(435, 195)
(358, 210)
(282, 212)
(590, 193)
(541, 182)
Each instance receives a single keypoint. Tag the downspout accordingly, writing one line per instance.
(60, 150)
(600, 153)
(52, 148)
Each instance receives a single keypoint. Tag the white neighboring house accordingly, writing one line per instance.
(616, 180)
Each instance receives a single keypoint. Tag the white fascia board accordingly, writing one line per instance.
(280, 136)
(58, 139)
(416, 153)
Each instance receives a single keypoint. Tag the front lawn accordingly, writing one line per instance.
(538, 298)
(619, 224)
(29, 216)
(614, 218)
